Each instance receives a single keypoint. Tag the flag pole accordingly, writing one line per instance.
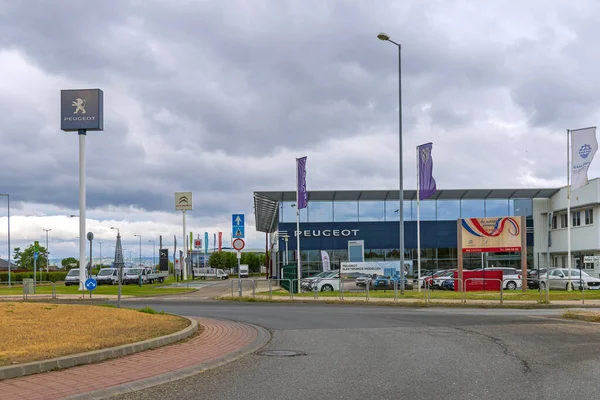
(418, 225)
(299, 260)
(568, 211)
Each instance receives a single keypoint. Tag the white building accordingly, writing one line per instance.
(550, 220)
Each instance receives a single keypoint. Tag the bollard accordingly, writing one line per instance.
(501, 292)
(253, 288)
(232, 288)
(341, 289)
(270, 290)
(395, 290)
(316, 292)
(367, 291)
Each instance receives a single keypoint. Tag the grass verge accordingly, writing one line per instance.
(38, 331)
(532, 295)
(582, 316)
(147, 290)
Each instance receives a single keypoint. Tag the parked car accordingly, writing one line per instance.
(511, 279)
(448, 284)
(72, 277)
(305, 283)
(326, 284)
(558, 279)
(438, 279)
(108, 276)
(533, 278)
(388, 283)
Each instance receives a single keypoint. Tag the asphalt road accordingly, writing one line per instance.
(375, 352)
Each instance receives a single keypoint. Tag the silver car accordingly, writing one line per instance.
(558, 278)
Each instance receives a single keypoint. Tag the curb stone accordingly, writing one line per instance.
(36, 367)
(263, 337)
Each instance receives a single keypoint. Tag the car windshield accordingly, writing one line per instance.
(134, 271)
(73, 272)
(105, 272)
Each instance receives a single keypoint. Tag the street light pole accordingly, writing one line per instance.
(47, 251)
(100, 243)
(153, 252)
(385, 37)
(8, 207)
(140, 236)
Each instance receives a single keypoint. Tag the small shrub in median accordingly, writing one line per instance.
(149, 310)
(44, 276)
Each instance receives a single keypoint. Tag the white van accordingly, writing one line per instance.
(72, 277)
(108, 276)
(213, 273)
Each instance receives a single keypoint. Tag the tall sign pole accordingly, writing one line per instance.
(82, 111)
(184, 202)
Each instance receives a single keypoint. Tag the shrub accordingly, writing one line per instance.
(149, 310)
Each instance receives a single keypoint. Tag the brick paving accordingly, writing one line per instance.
(217, 339)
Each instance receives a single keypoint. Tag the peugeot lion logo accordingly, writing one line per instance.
(183, 200)
(79, 105)
(425, 155)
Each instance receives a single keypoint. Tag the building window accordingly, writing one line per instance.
(589, 217)
(576, 218)
(554, 222)
(588, 265)
(563, 220)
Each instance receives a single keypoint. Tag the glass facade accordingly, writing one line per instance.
(387, 211)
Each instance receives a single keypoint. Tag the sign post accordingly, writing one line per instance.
(36, 254)
(238, 244)
(82, 111)
(90, 284)
(237, 226)
(183, 203)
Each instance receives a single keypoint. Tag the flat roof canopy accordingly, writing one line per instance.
(267, 213)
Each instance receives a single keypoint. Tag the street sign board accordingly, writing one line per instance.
(36, 246)
(238, 244)
(591, 259)
(183, 201)
(90, 236)
(163, 264)
(237, 226)
(81, 109)
(90, 284)
(198, 243)
(36, 254)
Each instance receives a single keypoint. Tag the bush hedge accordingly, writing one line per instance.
(43, 276)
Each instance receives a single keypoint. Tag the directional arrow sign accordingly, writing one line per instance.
(237, 226)
(36, 254)
(90, 284)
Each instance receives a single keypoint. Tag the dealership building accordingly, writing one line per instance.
(333, 219)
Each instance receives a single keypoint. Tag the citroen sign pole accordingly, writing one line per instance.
(183, 202)
(82, 111)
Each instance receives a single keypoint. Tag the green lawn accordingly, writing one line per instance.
(126, 290)
(442, 294)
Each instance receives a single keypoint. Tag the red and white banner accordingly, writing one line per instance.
(220, 240)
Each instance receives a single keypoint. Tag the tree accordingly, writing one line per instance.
(24, 259)
(230, 259)
(252, 260)
(69, 263)
(217, 260)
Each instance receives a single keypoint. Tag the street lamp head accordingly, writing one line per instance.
(383, 36)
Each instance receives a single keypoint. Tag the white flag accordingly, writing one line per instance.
(583, 148)
(325, 260)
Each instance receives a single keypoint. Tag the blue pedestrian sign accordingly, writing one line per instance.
(237, 226)
(36, 255)
(90, 284)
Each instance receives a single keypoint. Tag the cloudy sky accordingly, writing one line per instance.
(219, 98)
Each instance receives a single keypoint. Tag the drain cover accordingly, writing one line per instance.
(281, 353)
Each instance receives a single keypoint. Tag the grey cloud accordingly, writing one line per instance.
(243, 81)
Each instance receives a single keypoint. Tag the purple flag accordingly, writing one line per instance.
(427, 185)
(301, 184)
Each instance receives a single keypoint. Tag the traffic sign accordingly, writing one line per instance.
(237, 226)
(238, 244)
(591, 259)
(36, 246)
(36, 255)
(90, 236)
(90, 284)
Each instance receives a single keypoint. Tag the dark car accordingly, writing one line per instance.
(532, 278)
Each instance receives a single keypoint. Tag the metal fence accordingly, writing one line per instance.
(264, 288)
